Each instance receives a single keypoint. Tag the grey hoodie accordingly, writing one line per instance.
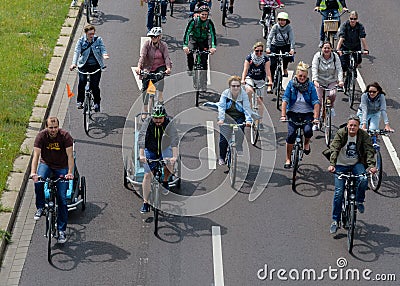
(280, 36)
(326, 71)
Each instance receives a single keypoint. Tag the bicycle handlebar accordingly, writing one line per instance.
(352, 52)
(160, 74)
(233, 124)
(258, 87)
(350, 175)
(279, 54)
(302, 123)
(90, 73)
(340, 15)
(197, 51)
(380, 132)
(326, 88)
(59, 179)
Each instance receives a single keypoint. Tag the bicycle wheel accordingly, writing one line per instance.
(88, 6)
(87, 112)
(352, 225)
(83, 192)
(224, 11)
(327, 126)
(50, 233)
(254, 134)
(156, 205)
(278, 88)
(345, 210)
(233, 166)
(376, 179)
(295, 164)
(171, 8)
(351, 87)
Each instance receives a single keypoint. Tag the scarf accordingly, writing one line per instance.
(257, 60)
(301, 87)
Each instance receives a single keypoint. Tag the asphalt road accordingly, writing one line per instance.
(111, 243)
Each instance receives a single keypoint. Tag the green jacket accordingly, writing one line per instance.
(200, 31)
(364, 147)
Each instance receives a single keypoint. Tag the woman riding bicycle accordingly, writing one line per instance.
(233, 107)
(299, 103)
(281, 39)
(327, 71)
(372, 106)
(256, 69)
(154, 57)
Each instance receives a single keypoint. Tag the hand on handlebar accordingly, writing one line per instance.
(72, 67)
(186, 50)
(106, 56)
(283, 118)
(248, 124)
(220, 122)
(142, 159)
(69, 176)
(212, 51)
(332, 169)
(372, 170)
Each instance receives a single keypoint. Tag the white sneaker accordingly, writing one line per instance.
(315, 128)
(333, 112)
(221, 162)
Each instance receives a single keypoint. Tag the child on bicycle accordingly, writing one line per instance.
(265, 6)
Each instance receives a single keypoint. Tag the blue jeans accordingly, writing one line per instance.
(45, 171)
(225, 137)
(292, 128)
(94, 83)
(372, 119)
(150, 12)
(362, 184)
(335, 16)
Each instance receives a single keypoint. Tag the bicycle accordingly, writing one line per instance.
(269, 19)
(199, 74)
(255, 126)
(331, 26)
(50, 209)
(224, 9)
(156, 181)
(325, 122)
(351, 75)
(375, 180)
(231, 154)
(349, 205)
(171, 7)
(154, 77)
(278, 76)
(88, 6)
(298, 148)
(88, 104)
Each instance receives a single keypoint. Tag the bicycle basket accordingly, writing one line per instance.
(331, 25)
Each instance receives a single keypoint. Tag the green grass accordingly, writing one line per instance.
(28, 34)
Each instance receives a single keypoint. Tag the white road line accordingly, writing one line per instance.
(138, 81)
(217, 256)
(388, 144)
(212, 158)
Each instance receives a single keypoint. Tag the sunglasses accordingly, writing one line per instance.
(353, 19)
(236, 86)
(153, 37)
(258, 51)
(372, 91)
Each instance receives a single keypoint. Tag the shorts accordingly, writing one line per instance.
(250, 82)
(167, 153)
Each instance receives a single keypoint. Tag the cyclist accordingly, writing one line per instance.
(199, 34)
(88, 57)
(150, 12)
(372, 106)
(351, 37)
(154, 57)
(327, 71)
(53, 155)
(158, 139)
(299, 103)
(233, 107)
(281, 39)
(256, 69)
(198, 3)
(266, 7)
(326, 7)
(350, 151)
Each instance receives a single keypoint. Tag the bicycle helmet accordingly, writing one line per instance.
(284, 15)
(203, 8)
(155, 31)
(159, 111)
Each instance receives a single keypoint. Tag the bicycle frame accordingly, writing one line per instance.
(269, 19)
(200, 74)
(255, 126)
(156, 77)
(278, 76)
(325, 122)
(351, 75)
(331, 26)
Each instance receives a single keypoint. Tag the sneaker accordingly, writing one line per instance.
(221, 162)
(61, 237)
(334, 227)
(189, 72)
(261, 127)
(165, 188)
(261, 22)
(79, 105)
(38, 214)
(321, 43)
(145, 208)
(97, 107)
(240, 153)
(230, 9)
(340, 89)
(95, 9)
(361, 208)
(333, 112)
(315, 128)
(163, 19)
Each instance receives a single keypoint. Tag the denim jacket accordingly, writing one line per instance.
(242, 104)
(97, 47)
(290, 96)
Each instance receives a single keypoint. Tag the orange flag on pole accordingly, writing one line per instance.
(69, 92)
(151, 89)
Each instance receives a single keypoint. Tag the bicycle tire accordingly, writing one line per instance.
(295, 164)
(224, 12)
(83, 192)
(171, 7)
(352, 85)
(87, 113)
(278, 88)
(376, 179)
(345, 210)
(50, 221)
(328, 126)
(88, 10)
(156, 206)
(233, 166)
(352, 225)
(254, 134)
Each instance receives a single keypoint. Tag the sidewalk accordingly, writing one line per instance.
(20, 221)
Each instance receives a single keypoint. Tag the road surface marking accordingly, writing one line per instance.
(212, 158)
(217, 256)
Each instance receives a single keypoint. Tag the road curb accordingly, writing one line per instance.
(18, 178)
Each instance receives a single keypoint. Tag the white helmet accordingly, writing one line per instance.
(155, 31)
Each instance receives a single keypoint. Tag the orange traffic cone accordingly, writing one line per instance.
(69, 92)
